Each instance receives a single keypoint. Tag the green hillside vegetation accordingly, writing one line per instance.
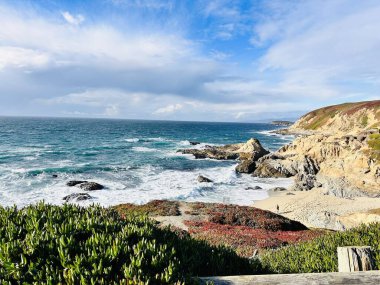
(374, 145)
(320, 254)
(47, 244)
(318, 118)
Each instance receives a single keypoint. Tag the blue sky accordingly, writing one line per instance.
(214, 60)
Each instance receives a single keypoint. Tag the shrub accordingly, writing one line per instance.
(45, 244)
(320, 255)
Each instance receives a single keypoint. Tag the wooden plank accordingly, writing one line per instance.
(332, 278)
(355, 258)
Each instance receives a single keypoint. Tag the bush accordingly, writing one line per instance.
(320, 255)
(45, 244)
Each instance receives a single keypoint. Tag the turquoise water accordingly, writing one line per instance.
(135, 160)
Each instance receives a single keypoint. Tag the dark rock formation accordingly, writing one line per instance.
(77, 197)
(246, 166)
(252, 150)
(203, 179)
(85, 185)
(194, 143)
(74, 182)
(253, 188)
(278, 189)
(91, 186)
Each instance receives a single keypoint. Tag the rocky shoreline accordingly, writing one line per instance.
(330, 155)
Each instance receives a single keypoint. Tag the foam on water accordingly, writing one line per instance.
(135, 161)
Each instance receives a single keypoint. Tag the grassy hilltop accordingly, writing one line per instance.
(343, 117)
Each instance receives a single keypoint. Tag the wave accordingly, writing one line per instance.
(144, 149)
(132, 140)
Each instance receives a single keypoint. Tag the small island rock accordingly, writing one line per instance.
(202, 179)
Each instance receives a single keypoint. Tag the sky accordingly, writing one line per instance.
(216, 60)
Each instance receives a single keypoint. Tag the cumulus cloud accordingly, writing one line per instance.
(295, 56)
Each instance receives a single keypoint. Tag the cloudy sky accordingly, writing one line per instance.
(216, 60)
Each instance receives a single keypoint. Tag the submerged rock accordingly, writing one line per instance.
(253, 188)
(194, 143)
(90, 186)
(77, 197)
(203, 179)
(74, 182)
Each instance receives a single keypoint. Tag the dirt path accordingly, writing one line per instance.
(178, 221)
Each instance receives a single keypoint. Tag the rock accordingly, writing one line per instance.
(54, 176)
(85, 185)
(253, 188)
(252, 150)
(202, 179)
(246, 166)
(305, 182)
(275, 166)
(90, 186)
(77, 197)
(278, 189)
(194, 143)
(74, 182)
(290, 193)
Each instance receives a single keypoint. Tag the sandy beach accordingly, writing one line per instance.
(316, 209)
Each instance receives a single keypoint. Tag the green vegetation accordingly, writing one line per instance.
(374, 144)
(374, 141)
(320, 254)
(153, 208)
(364, 121)
(45, 244)
(320, 117)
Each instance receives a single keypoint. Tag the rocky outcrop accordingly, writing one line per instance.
(338, 149)
(247, 153)
(85, 185)
(246, 166)
(203, 179)
(252, 149)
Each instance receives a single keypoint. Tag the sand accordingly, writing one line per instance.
(316, 209)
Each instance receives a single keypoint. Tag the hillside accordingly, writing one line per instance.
(349, 118)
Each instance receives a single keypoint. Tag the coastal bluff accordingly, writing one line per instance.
(337, 148)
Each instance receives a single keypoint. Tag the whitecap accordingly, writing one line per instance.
(132, 140)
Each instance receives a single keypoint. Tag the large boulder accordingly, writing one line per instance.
(274, 166)
(203, 179)
(91, 186)
(77, 197)
(85, 185)
(246, 166)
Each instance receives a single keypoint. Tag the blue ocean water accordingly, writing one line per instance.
(137, 161)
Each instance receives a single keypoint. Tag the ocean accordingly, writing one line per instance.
(136, 161)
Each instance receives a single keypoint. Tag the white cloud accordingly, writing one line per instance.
(168, 109)
(73, 19)
(18, 57)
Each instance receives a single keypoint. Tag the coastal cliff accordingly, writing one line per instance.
(343, 119)
(338, 150)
